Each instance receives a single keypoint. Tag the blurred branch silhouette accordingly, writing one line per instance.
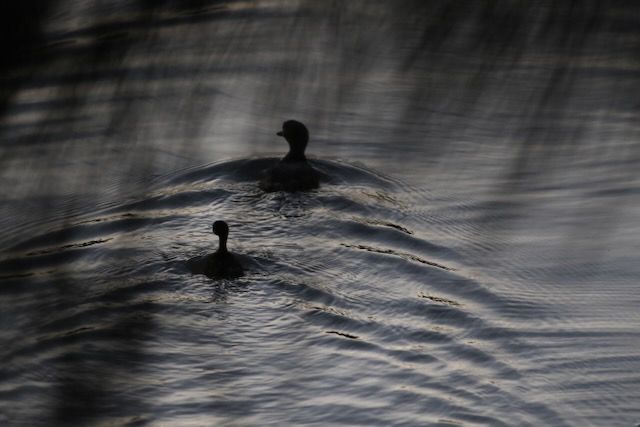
(98, 94)
(508, 67)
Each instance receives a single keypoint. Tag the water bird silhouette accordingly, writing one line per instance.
(221, 264)
(293, 172)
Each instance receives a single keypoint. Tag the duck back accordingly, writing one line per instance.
(290, 176)
(222, 265)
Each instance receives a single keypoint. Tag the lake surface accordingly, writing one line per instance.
(471, 257)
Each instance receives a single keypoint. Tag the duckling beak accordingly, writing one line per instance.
(279, 133)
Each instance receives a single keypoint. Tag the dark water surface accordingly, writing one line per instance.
(471, 259)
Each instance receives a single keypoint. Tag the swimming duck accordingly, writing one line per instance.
(292, 173)
(221, 264)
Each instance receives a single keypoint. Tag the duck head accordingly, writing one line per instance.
(297, 136)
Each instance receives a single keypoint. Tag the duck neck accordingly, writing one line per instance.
(296, 152)
(222, 247)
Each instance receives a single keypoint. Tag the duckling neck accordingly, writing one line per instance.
(222, 248)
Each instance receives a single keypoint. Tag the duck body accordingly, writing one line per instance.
(293, 172)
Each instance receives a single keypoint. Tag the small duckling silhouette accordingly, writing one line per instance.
(292, 173)
(221, 264)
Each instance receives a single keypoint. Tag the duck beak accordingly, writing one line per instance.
(279, 133)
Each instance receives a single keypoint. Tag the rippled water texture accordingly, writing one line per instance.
(470, 258)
